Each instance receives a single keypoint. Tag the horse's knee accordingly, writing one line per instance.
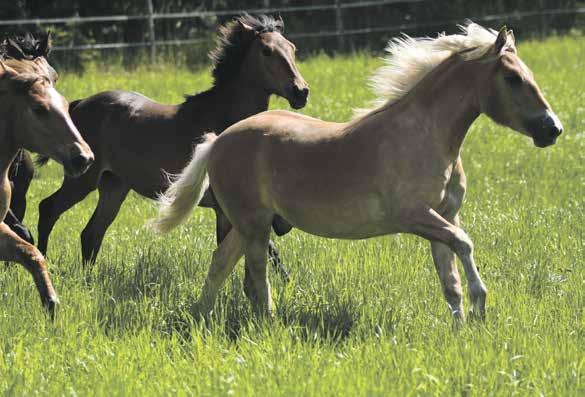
(461, 244)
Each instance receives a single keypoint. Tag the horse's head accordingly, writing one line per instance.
(38, 115)
(273, 57)
(510, 95)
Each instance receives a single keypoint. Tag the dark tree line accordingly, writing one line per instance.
(437, 15)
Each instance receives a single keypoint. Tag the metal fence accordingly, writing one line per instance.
(339, 9)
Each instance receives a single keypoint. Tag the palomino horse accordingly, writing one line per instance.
(34, 116)
(405, 173)
(135, 139)
(22, 168)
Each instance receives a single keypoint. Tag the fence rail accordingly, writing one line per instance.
(336, 6)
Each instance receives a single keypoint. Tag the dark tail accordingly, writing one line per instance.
(42, 160)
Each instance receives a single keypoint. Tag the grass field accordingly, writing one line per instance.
(358, 318)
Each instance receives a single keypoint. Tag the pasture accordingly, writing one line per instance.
(357, 318)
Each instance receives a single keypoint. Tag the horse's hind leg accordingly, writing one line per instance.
(222, 228)
(255, 251)
(15, 249)
(429, 224)
(113, 192)
(225, 257)
(71, 192)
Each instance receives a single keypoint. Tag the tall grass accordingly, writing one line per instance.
(358, 317)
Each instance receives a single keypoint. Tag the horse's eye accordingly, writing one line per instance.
(514, 80)
(266, 51)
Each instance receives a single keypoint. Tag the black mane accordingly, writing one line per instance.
(26, 46)
(234, 40)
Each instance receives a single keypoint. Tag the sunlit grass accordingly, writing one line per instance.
(358, 318)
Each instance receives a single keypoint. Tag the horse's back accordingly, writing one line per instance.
(285, 125)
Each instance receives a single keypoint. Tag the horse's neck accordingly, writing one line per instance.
(230, 102)
(444, 105)
(245, 98)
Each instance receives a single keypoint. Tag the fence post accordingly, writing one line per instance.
(339, 25)
(151, 36)
(543, 20)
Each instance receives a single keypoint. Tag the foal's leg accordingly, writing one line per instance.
(255, 250)
(20, 184)
(223, 227)
(225, 257)
(13, 223)
(446, 267)
(113, 192)
(15, 249)
(71, 192)
(432, 226)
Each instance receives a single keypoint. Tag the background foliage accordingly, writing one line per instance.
(428, 12)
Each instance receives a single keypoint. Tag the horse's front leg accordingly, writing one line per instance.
(13, 223)
(427, 223)
(446, 267)
(15, 249)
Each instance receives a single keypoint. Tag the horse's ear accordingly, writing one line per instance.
(6, 71)
(46, 44)
(14, 50)
(501, 40)
(245, 26)
(511, 41)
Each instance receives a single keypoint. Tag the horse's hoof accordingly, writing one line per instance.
(477, 315)
(51, 303)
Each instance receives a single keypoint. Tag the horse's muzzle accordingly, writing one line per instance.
(298, 97)
(78, 164)
(546, 129)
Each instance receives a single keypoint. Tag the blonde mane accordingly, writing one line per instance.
(409, 60)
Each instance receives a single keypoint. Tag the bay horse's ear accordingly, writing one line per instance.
(501, 40)
(45, 45)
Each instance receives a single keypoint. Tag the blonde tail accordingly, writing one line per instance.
(186, 191)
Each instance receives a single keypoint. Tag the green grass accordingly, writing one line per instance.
(358, 318)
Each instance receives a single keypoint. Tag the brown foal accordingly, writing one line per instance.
(138, 141)
(22, 168)
(405, 173)
(34, 116)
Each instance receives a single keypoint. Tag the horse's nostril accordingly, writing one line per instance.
(555, 132)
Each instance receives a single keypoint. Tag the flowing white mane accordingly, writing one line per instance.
(409, 60)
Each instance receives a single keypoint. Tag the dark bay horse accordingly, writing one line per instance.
(21, 171)
(137, 141)
(20, 175)
(33, 116)
(393, 169)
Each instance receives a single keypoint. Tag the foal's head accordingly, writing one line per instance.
(257, 46)
(37, 115)
(31, 47)
(510, 96)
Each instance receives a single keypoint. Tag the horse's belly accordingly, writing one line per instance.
(351, 219)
